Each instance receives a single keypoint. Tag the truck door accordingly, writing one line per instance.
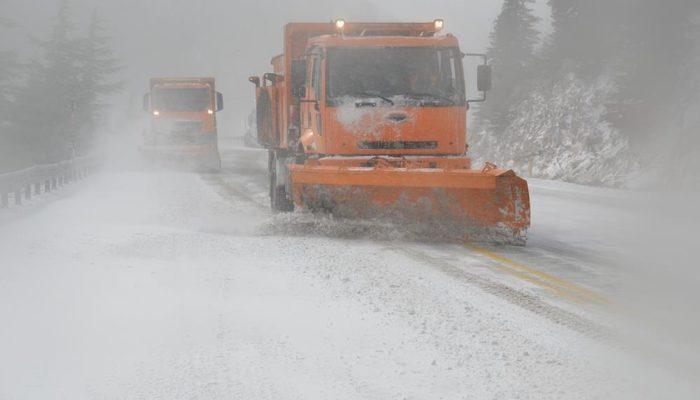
(311, 118)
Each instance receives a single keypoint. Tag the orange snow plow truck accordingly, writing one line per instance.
(183, 122)
(368, 120)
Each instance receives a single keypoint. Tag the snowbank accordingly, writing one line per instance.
(560, 132)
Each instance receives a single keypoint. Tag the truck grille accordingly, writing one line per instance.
(187, 127)
(169, 127)
(398, 145)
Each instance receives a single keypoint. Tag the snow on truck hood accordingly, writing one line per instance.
(371, 120)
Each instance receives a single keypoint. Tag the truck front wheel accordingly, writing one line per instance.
(280, 198)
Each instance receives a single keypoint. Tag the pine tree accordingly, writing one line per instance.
(97, 66)
(686, 149)
(45, 111)
(9, 72)
(586, 34)
(655, 68)
(512, 49)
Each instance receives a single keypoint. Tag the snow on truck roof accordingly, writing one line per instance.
(298, 35)
(383, 41)
(182, 82)
(351, 28)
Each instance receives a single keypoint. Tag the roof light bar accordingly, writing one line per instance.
(339, 24)
(439, 24)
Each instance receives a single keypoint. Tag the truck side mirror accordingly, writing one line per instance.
(299, 92)
(483, 78)
(219, 101)
(272, 78)
(147, 102)
(255, 80)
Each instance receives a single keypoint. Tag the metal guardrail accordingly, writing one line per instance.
(25, 183)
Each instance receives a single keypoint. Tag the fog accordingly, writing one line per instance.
(230, 40)
(144, 280)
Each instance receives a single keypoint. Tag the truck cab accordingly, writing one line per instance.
(388, 96)
(182, 127)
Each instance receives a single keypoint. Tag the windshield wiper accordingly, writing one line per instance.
(434, 96)
(374, 94)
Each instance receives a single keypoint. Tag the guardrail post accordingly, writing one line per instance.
(41, 179)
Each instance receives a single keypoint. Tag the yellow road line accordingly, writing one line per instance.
(540, 278)
(557, 290)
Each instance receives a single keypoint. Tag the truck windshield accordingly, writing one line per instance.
(430, 76)
(182, 99)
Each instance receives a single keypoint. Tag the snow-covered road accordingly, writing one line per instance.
(144, 285)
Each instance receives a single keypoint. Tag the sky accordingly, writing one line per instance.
(232, 40)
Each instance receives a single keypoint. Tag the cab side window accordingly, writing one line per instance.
(316, 77)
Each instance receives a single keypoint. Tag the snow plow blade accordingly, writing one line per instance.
(480, 205)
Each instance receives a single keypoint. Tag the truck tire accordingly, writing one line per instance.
(280, 198)
(214, 164)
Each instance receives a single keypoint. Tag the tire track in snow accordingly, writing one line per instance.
(516, 297)
(224, 188)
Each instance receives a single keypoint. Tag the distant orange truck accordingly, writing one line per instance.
(183, 122)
